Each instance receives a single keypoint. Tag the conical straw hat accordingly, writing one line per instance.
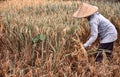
(85, 10)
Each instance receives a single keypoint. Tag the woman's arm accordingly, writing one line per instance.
(93, 34)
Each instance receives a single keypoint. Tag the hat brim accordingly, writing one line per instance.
(85, 10)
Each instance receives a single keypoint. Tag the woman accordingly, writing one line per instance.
(100, 27)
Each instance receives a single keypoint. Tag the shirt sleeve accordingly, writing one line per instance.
(93, 34)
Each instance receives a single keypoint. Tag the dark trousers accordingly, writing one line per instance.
(104, 46)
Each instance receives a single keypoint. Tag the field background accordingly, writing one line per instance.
(40, 38)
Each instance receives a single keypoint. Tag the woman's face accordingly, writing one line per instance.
(88, 18)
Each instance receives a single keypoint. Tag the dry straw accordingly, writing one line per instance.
(61, 54)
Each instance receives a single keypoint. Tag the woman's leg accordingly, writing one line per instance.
(104, 46)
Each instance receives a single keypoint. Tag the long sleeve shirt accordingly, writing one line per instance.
(102, 28)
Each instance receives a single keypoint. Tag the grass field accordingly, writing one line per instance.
(40, 38)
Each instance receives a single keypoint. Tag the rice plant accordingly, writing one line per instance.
(42, 39)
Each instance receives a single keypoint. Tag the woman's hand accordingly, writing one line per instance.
(86, 46)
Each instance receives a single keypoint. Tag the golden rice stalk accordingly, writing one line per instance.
(48, 64)
(1, 26)
(65, 30)
(79, 50)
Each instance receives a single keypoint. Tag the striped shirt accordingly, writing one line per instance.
(102, 28)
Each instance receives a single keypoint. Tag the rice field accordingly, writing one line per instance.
(42, 39)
